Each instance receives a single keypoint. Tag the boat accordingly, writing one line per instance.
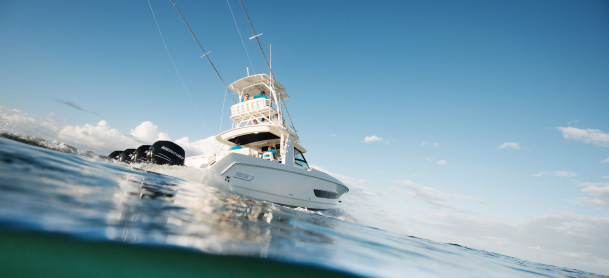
(252, 170)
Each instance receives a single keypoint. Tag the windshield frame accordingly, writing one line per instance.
(303, 162)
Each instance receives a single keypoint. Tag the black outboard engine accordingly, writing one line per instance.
(126, 155)
(140, 155)
(166, 152)
(115, 154)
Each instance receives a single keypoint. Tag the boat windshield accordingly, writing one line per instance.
(299, 159)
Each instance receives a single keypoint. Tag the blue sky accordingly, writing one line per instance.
(466, 75)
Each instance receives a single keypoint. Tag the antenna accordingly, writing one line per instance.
(270, 57)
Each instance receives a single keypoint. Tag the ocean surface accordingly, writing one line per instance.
(70, 213)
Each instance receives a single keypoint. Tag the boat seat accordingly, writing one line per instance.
(268, 156)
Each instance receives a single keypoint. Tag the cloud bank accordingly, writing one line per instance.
(100, 138)
(556, 173)
(565, 239)
(598, 190)
(593, 136)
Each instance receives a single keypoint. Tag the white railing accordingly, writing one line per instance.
(251, 107)
(250, 110)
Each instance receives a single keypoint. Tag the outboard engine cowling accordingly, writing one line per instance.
(115, 154)
(140, 154)
(166, 152)
(126, 155)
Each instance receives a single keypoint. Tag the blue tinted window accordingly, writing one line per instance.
(325, 194)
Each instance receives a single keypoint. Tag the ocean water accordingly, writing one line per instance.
(73, 214)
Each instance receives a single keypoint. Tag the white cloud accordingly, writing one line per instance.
(596, 202)
(423, 144)
(606, 177)
(605, 160)
(359, 189)
(509, 145)
(561, 234)
(602, 192)
(442, 162)
(435, 198)
(430, 159)
(99, 138)
(595, 189)
(362, 202)
(204, 146)
(556, 173)
(564, 174)
(594, 136)
(471, 199)
(592, 183)
(149, 133)
(570, 240)
(373, 138)
(572, 202)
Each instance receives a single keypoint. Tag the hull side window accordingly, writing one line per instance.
(325, 194)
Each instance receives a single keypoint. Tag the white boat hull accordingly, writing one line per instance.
(278, 183)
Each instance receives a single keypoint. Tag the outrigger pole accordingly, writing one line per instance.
(267, 62)
(204, 52)
(255, 37)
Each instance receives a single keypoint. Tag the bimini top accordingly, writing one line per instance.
(253, 84)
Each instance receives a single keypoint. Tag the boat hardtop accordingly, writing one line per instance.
(253, 84)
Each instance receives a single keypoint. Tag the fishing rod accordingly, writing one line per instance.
(267, 62)
(256, 37)
(204, 52)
